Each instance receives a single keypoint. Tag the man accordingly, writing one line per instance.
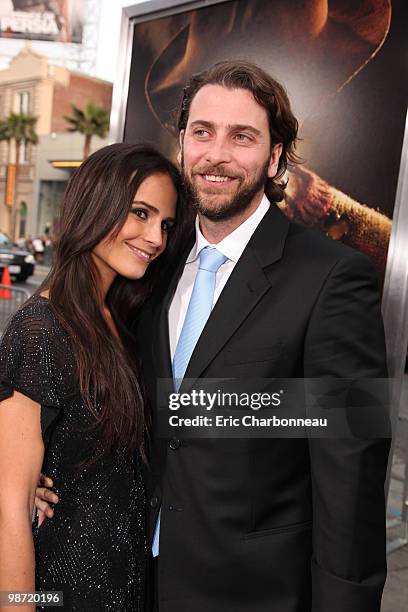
(254, 525)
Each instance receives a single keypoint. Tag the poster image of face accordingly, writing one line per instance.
(339, 62)
(52, 20)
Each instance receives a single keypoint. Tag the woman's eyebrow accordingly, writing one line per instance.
(154, 210)
(149, 206)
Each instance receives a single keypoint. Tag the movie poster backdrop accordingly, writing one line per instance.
(342, 65)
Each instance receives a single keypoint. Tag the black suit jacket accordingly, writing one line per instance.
(289, 525)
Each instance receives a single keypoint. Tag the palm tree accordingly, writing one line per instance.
(92, 121)
(20, 128)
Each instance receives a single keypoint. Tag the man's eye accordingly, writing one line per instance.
(243, 138)
(139, 212)
(201, 133)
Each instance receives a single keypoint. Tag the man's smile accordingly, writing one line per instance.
(216, 179)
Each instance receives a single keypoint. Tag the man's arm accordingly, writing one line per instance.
(345, 339)
(43, 497)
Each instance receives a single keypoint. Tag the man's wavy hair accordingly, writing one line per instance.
(271, 95)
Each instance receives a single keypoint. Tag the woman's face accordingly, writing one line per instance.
(143, 237)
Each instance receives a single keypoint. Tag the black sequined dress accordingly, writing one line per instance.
(94, 548)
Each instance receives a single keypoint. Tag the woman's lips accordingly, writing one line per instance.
(140, 253)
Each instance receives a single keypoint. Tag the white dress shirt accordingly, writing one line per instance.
(232, 246)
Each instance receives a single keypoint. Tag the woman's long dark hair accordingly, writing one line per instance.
(97, 202)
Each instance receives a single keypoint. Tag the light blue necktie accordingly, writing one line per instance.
(198, 312)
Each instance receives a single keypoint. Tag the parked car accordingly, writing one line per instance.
(20, 262)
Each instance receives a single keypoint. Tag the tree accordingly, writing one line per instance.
(19, 128)
(92, 121)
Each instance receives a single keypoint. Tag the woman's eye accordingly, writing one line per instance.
(139, 212)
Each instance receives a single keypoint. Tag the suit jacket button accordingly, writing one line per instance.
(174, 444)
(154, 502)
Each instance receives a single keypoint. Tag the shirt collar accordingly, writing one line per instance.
(233, 245)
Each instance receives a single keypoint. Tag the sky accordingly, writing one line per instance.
(108, 44)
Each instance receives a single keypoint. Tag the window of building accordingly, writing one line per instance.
(25, 153)
(23, 105)
(24, 101)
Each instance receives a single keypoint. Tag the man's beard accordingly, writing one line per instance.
(228, 209)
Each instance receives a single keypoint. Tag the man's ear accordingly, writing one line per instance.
(181, 140)
(274, 160)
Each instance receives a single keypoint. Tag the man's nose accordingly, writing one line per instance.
(218, 151)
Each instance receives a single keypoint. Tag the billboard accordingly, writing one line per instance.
(52, 20)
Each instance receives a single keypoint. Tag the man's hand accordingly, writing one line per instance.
(43, 496)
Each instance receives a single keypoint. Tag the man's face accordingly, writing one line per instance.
(226, 152)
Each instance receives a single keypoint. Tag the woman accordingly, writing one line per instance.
(72, 403)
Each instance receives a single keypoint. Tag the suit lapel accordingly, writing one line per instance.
(238, 298)
(244, 289)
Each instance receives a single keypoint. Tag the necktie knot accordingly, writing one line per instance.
(211, 260)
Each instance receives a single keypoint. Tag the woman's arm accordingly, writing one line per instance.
(21, 457)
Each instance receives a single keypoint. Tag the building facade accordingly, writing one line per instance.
(31, 84)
